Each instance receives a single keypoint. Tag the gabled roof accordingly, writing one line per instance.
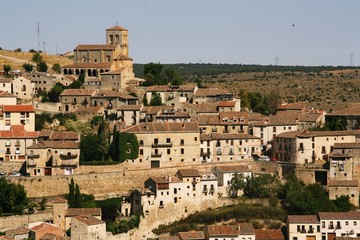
(226, 104)
(343, 183)
(112, 94)
(5, 80)
(246, 228)
(164, 179)
(211, 92)
(18, 108)
(18, 131)
(88, 65)
(163, 127)
(51, 236)
(192, 235)
(350, 145)
(6, 94)
(66, 135)
(55, 145)
(222, 230)
(170, 88)
(77, 92)
(116, 28)
(353, 215)
(89, 220)
(268, 234)
(303, 219)
(95, 47)
(306, 133)
(188, 173)
(309, 117)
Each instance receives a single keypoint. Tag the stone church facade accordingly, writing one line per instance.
(109, 62)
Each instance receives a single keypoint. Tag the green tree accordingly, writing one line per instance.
(43, 204)
(172, 77)
(343, 203)
(272, 101)
(37, 58)
(55, 91)
(77, 197)
(81, 78)
(244, 98)
(40, 120)
(28, 67)
(102, 142)
(13, 197)
(89, 149)
(128, 146)
(7, 69)
(114, 147)
(56, 68)
(263, 186)
(71, 195)
(237, 183)
(155, 100)
(145, 101)
(42, 66)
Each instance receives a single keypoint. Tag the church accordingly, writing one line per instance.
(108, 64)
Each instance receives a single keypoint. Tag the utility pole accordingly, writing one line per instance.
(38, 34)
(277, 60)
(44, 45)
(351, 59)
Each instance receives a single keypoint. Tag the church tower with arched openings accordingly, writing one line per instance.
(118, 36)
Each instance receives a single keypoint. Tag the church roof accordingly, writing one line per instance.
(116, 28)
(95, 47)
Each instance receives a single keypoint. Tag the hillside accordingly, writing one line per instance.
(17, 59)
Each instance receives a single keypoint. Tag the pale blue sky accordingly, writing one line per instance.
(183, 31)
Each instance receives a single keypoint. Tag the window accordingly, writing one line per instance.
(141, 152)
(141, 142)
(168, 151)
(295, 238)
(168, 140)
(298, 228)
(195, 139)
(182, 150)
(318, 228)
(182, 142)
(346, 223)
(355, 223)
(274, 129)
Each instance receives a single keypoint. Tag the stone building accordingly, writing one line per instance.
(87, 227)
(303, 147)
(7, 98)
(203, 95)
(53, 158)
(72, 99)
(166, 144)
(172, 95)
(110, 62)
(23, 88)
(6, 84)
(303, 227)
(17, 115)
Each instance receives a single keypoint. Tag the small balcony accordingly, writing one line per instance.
(17, 143)
(303, 231)
(69, 163)
(7, 144)
(311, 230)
(68, 156)
(8, 152)
(194, 181)
(161, 145)
(161, 206)
(31, 163)
(205, 154)
(331, 226)
(338, 226)
(156, 155)
(212, 190)
(205, 190)
(33, 155)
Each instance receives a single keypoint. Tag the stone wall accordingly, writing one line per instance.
(10, 166)
(102, 182)
(12, 222)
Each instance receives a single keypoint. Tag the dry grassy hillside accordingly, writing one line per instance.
(331, 90)
(17, 59)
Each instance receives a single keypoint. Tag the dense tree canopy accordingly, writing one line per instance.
(13, 197)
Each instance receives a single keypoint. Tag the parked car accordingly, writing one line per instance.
(15, 174)
(2, 174)
(264, 158)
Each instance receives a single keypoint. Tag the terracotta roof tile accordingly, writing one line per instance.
(309, 117)
(227, 104)
(353, 215)
(51, 236)
(89, 220)
(17, 231)
(118, 28)
(165, 179)
(18, 131)
(211, 92)
(268, 234)
(123, 57)
(18, 108)
(217, 230)
(170, 88)
(207, 107)
(77, 92)
(188, 172)
(246, 228)
(306, 133)
(105, 93)
(343, 183)
(192, 235)
(163, 127)
(6, 94)
(59, 135)
(94, 47)
(55, 145)
(303, 219)
(129, 107)
(59, 200)
(350, 145)
(5, 80)
(169, 238)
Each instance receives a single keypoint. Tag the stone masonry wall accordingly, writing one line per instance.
(22, 220)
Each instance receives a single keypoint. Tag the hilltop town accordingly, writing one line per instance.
(89, 150)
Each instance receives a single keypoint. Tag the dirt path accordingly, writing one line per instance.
(15, 60)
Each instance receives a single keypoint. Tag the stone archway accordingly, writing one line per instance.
(94, 73)
(65, 71)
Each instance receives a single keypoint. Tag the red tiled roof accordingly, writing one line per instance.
(43, 225)
(188, 173)
(106, 93)
(353, 215)
(309, 117)
(268, 234)
(55, 145)
(303, 219)
(18, 131)
(116, 28)
(163, 127)
(56, 136)
(217, 230)
(77, 92)
(5, 80)
(89, 220)
(123, 57)
(226, 104)
(246, 228)
(94, 47)
(169, 238)
(192, 235)
(6, 94)
(170, 88)
(18, 108)
(17, 231)
(165, 179)
(209, 92)
(350, 145)
(51, 236)
(222, 136)
(343, 183)
(129, 107)
(306, 133)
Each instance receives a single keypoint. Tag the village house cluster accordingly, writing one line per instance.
(192, 126)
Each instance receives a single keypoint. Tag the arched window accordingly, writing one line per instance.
(111, 39)
(77, 72)
(101, 71)
(82, 71)
(117, 39)
(107, 58)
(70, 72)
(94, 73)
(65, 71)
(89, 72)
